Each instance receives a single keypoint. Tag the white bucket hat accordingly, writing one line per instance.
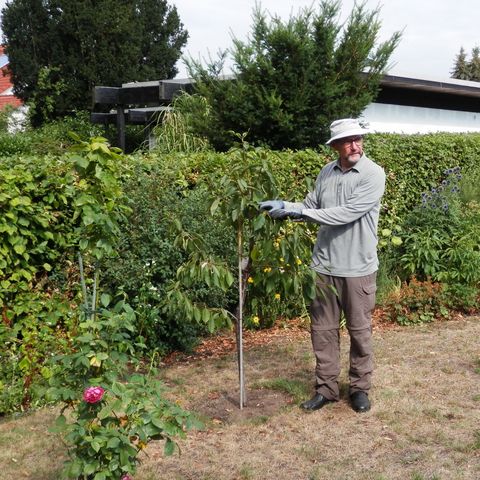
(346, 127)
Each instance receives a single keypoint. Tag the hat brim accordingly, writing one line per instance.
(348, 133)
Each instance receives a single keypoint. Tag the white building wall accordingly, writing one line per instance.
(388, 118)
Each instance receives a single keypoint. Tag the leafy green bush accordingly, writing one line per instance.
(413, 164)
(35, 221)
(51, 139)
(112, 426)
(440, 243)
(14, 144)
(32, 331)
(441, 235)
(416, 164)
(148, 259)
(416, 302)
(49, 206)
(119, 413)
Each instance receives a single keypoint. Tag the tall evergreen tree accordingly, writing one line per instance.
(291, 79)
(460, 69)
(59, 49)
(465, 69)
(474, 65)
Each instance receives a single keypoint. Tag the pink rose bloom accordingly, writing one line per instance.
(126, 477)
(93, 394)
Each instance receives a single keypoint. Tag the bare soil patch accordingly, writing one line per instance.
(223, 407)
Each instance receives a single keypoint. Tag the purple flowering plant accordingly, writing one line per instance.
(446, 195)
(441, 239)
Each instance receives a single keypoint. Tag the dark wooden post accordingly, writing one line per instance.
(121, 127)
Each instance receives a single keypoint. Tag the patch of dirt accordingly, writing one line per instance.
(285, 331)
(223, 407)
(223, 343)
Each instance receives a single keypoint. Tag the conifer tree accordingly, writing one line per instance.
(59, 49)
(465, 69)
(460, 69)
(291, 79)
(474, 65)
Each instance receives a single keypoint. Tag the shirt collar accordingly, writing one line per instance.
(357, 167)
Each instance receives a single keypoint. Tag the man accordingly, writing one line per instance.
(346, 204)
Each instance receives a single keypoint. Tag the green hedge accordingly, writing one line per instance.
(413, 164)
(35, 192)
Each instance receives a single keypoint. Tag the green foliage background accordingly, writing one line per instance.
(292, 78)
(40, 282)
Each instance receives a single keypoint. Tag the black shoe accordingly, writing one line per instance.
(360, 402)
(315, 403)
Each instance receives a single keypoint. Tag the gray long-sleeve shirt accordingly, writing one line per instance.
(346, 205)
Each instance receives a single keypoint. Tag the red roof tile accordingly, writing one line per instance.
(6, 96)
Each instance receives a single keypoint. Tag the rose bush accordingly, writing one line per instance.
(110, 427)
(93, 394)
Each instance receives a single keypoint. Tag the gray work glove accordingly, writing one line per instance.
(270, 205)
(282, 213)
(276, 210)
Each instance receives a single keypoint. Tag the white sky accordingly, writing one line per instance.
(433, 30)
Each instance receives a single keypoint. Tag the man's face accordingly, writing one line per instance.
(350, 150)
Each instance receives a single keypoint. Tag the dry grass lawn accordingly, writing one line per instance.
(424, 423)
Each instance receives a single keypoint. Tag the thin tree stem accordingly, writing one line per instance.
(82, 281)
(240, 318)
(94, 294)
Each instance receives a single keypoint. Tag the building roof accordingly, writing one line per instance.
(448, 94)
(6, 88)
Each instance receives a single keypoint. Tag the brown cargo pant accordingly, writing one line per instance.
(356, 298)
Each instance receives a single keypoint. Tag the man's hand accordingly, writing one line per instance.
(282, 214)
(270, 205)
(276, 209)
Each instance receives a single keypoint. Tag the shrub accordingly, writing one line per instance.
(119, 414)
(32, 331)
(148, 258)
(13, 144)
(51, 139)
(36, 223)
(441, 235)
(293, 77)
(416, 302)
(112, 426)
(461, 297)
(47, 208)
(416, 164)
